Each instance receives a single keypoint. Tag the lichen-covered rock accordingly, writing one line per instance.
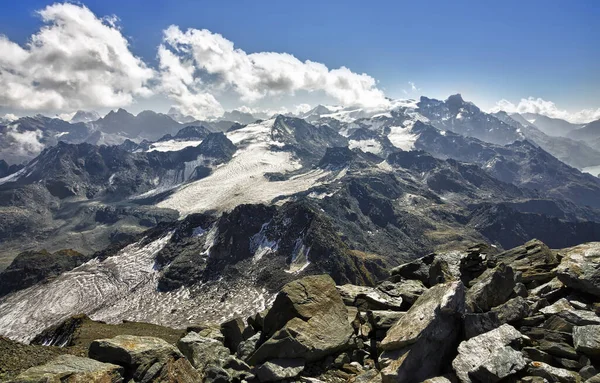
(479, 350)
(580, 268)
(279, 369)
(72, 369)
(512, 311)
(587, 340)
(553, 374)
(418, 345)
(369, 298)
(409, 290)
(308, 320)
(490, 289)
(534, 261)
(201, 351)
(503, 362)
(137, 354)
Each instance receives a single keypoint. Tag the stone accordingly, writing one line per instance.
(476, 324)
(580, 268)
(409, 290)
(201, 351)
(72, 369)
(537, 355)
(548, 290)
(257, 320)
(369, 376)
(308, 320)
(233, 331)
(417, 269)
(136, 353)
(558, 306)
(279, 369)
(490, 289)
(369, 298)
(212, 331)
(552, 374)
(383, 320)
(246, 348)
(176, 371)
(439, 272)
(503, 362)
(534, 261)
(215, 374)
(587, 340)
(478, 350)
(419, 344)
(520, 290)
(588, 371)
(237, 369)
(512, 311)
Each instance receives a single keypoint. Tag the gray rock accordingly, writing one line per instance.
(580, 268)
(492, 288)
(512, 311)
(409, 290)
(247, 347)
(201, 351)
(215, 374)
(503, 362)
(308, 320)
(369, 298)
(520, 290)
(534, 261)
(383, 320)
(556, 307)
(478, 350)
(587, 340)
(72, 369)
(477, 324)
(417, 269)
(552, 374)
(279, 369)
(136, 353)
(418, 345)
(233, 333)
(537, 355)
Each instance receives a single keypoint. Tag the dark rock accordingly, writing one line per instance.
(279, 369)
(491, 289)
(553, 374)
(419, 344)
(476, 324)
(233, 331)
(512, 311)
(202, 351)
(587, 340)
(308, 320)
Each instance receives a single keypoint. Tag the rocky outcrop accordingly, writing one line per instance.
(492, 288)
(72, 369)
(417, 345)
(579, 268)
(308, 320)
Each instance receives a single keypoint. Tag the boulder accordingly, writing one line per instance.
(201, 351)
(419, 344)
(512, 311)
(383, 320)
(477, 324)
(479, 350)
(409, 290)
(503, 362)
(552, 374)
(136, 353)
(369, 298)
(69, 368)
(580, 268)
(247, 347)
(279, 369)
(490, 289)
(417, 269)
(308, 320)
(587, 340)
(534, 261)
(234, 332)
(558, 306)
(175, 371)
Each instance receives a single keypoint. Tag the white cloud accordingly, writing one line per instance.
(302, 108)
(546, 108)
(9, 117)
(413, 87)
(186, 57)
(75, 61)
(25, 143)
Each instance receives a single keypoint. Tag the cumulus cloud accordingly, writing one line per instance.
(546, 108)
(9, 117)
(76, 60)
(186, 58)
(25, 143)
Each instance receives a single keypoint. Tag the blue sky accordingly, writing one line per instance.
(487, 51)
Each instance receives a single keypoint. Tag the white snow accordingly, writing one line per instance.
(299, 258)
(260, 245)
(402, 137)
(13, 177)
(242, 180)
(367, 146)
(171, 145)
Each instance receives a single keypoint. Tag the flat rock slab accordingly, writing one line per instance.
(72, 369)
(580, 268)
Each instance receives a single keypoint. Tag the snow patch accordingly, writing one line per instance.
(171, 145)
(367, 146)
(402, 137)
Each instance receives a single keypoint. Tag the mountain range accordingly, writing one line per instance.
(162, 219)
